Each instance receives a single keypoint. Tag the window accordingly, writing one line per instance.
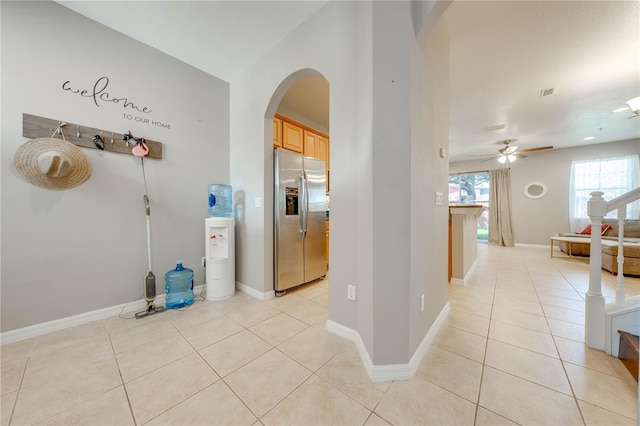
(613, 176)
(472, 188)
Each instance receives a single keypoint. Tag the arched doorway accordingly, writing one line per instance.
(298, 113)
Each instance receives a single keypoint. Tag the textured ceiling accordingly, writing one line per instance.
(503, 54)
(221, 38)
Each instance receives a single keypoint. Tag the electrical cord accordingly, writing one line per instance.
(124, 307)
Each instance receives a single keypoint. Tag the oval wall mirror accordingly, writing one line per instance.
(535, 190)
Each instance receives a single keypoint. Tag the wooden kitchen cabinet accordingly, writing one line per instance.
(310, 144)
(277, 133)
(317, 146)
(323, 150)
(292, 137)
(323, 154)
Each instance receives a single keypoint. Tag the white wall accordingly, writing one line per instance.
(429, 175)
(535, 220)
(74, 251)
(255, 95)
(372, 181)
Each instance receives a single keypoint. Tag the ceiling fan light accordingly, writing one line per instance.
(512, 158)
(634, 104)
(502, 159)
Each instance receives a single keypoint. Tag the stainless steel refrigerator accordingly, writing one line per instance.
(299, 219)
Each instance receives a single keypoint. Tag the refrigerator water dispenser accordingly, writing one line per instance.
(220, 255)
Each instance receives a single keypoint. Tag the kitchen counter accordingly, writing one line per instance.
(463, 241)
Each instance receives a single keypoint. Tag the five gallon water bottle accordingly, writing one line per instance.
(179, 286)
(220, 203)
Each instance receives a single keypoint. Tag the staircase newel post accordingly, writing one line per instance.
(594, 312)
(620, 296)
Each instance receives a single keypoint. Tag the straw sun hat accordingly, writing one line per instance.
(52, 163)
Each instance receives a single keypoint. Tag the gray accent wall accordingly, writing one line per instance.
(75, 251)
(392, 212)
(535, 220)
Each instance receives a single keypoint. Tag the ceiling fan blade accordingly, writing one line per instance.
(540, 148)
(509, 149)
(519, 154)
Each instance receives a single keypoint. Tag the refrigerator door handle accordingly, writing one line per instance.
(306, 203)
(303, 222)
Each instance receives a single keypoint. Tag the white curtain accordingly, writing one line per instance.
(613, 176)
(500, 226)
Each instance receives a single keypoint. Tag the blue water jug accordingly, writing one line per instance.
(179, 286)
(220, 200)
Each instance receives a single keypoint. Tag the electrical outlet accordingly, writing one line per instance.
(351, 292)
(422, 303)
(204, 261)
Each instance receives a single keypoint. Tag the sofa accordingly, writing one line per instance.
(631, 246)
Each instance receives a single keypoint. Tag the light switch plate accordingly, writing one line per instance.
(439, 198)
(258, 202)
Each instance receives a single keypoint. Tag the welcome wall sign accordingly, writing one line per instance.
(99, 95)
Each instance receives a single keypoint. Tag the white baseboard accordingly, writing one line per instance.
(104, 313)
(84, 318)
(354, 336)
(381, 373)
(255, 293)
(417, 357)
(625, 317)
(463, 282)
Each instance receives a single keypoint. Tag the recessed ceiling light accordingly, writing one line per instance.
(588, 138)
(620, 109)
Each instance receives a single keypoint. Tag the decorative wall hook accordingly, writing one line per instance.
(98, 142)
(34, 126)
(127, 137)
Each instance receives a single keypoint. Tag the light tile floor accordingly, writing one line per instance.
(510, 352)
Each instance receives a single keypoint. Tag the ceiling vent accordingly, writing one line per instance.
(495, 127)
(546, 92)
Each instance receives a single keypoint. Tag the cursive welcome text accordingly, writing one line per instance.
(99, 94)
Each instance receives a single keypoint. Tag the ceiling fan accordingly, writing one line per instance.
(510, 153)
(634, 106)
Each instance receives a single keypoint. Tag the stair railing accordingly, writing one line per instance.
(597, 209)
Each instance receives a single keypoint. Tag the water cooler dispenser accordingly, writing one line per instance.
(220, 276)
